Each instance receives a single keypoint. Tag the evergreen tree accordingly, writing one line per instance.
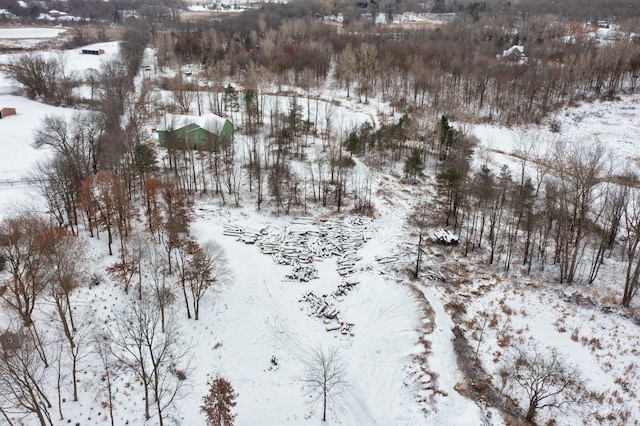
(230, 99)
(354, 144)
(144, 159)
(413, 165)
(447, 136)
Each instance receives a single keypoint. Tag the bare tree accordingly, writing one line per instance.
(324, 378)
(22, 374)
(182, 93)
(544, 377)
(81, 140)
(22, 250)
(132, 44)
(57, 185)
(143, 349)
(102, 347)
(367, 62)
(155, 264)
(99, 195)
(347, 67)
(632, 257)
(67, 81)
(419, 219)
(80, 350)
(39, 74)
(66, 261)
(176, 210)
(580, 171)
(207, 268)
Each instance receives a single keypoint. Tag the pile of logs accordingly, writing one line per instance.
(444, 236)
(325, 306)
(388, 258)
(347, 263)
(303, 272)
(246, 235)
(305, 240)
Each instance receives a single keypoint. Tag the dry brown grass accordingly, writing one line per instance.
(575, 335)
(593, 343)
(504, 338)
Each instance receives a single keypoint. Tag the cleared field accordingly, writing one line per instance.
(26, 33)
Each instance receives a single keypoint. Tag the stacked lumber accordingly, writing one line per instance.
(319, 305)
(347, 263)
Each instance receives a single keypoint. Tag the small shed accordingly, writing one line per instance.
(5, 112)
(53, 13)
(11, 341)
(93, 51)
(514, 53)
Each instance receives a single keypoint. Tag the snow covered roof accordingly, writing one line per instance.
(515, 49)
(210, 122)
(608, 34)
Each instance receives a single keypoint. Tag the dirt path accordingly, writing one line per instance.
(443, 362)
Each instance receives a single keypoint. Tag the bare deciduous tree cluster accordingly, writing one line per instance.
(542, 379)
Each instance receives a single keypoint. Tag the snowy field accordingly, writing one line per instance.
(615, 125)
(19, 158)
(30, 33)
(74, 60)
(27, 38)
(393, 377)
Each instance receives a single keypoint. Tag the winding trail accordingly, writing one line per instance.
(453, 409)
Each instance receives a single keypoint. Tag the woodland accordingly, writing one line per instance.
(560, 217)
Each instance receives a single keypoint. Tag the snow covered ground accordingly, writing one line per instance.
(393, 377)
(614, 124)
(26, 38)
(30, 33)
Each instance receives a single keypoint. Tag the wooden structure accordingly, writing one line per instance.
(93, 51)
(53, 13)
(5, 112)
(206, 132)
(515, 53)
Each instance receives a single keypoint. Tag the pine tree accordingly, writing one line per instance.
(218, 402)
(413, 165)
(230, 99)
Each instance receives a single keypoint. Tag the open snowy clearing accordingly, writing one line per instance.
(31, 37)
(74, 60)
(25, 33)
(19, 158)
(588, 124)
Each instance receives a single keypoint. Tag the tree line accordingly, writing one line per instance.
(455, 68)
(568, 208)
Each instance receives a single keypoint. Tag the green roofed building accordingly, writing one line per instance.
(207, 132)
